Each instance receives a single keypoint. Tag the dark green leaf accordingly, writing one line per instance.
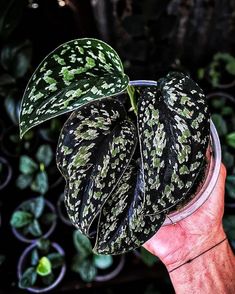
(230, 185)
(77, 260)
(148, 258)
(102, 261)
(48, 279)
(93, 151)
(228, 159)
(12, 106)
(44, 154)
(20, 219)
(220, 124)
(227, 110)
(56, 259)
(23, 181)
(37, 206)
(28, 278)
(34, 257)
(16, 58)
(87, 271)
(48, 218)
(82, 244)
(74, 74)
(44, 245)
(27, 165)
(40, 184)
(230, 138)
(44, 266)
(34, 229)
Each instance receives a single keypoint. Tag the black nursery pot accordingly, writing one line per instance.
(24, 261)
(111, 272)
(5, 173)
(19, 235)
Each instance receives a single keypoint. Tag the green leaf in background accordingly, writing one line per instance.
(87, 271)
(220, 124)
(82, 244)
(102, 261)
(148, 258)
(227, 110)
(23, 181)
(40, 183)
(37, 206)
(20, 219)
(27, 165)
(230, 139)
(44, 266)
(34, 229)
(48, 218)
(34, 257)
(56, 259)
(48, 279)
(12, 106)
(44, 154)
(229, 226)
(28, 278)
(228, 159)
(44, 245)
(230, 185)
(16, 58)
(74, 74)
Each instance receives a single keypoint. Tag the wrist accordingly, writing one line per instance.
(193, 246)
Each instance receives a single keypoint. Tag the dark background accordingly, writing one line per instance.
(152, 37)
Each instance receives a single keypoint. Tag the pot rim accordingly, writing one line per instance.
(9, 172)
(212, 176)
(114, 273)
(56, 282)
(22, 238)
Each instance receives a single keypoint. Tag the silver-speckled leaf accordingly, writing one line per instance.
(74, 74)
(122, 224)
(173, 125)
(95, 147)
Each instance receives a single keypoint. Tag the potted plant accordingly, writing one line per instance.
(223, 115)
(94, 267)
(62, 212)
(130, 151)
(5, 173)
(41, 267)
(35, 174)
(221, 71)
(33, 219)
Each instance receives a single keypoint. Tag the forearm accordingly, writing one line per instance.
(212, 272)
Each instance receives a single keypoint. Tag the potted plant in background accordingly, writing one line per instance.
(220, 72)
(5, 173)
(35, 174)
(112, 158)
(33, 219)
(41, 266)
(223, 115)
(94, 267)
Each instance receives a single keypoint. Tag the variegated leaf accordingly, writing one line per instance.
(122, 225)
(74, 74)
(173, 125)
(94, 149)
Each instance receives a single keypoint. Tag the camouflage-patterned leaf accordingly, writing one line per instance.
(122, 225)
(173, 125)
(94, 149)
(74, 74)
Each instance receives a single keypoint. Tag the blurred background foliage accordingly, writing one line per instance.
(152, 37)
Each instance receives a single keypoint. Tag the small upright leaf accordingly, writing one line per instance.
(82, 244)
(44, 154)
(27, 165)
(44, 266)
(28, 278)
(74, 74)
(37, 206)
(40, 183)
(34, 229)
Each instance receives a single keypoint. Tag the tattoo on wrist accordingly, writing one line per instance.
(188, 261)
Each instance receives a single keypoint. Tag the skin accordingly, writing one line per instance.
(211, 272)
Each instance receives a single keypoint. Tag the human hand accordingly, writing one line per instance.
(177, 243)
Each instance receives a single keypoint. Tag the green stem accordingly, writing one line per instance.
(131, 93)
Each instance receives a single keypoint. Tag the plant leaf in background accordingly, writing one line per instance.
(44, 154)
(102, 261)
(27, 165)
(230, 185)
(40, 183)
(12, 106)
(44, 266)
(74, 74)
(82, 244)
(87, 270)
(28, 278)
(230, 138)
(56, 259)
(20, 219)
